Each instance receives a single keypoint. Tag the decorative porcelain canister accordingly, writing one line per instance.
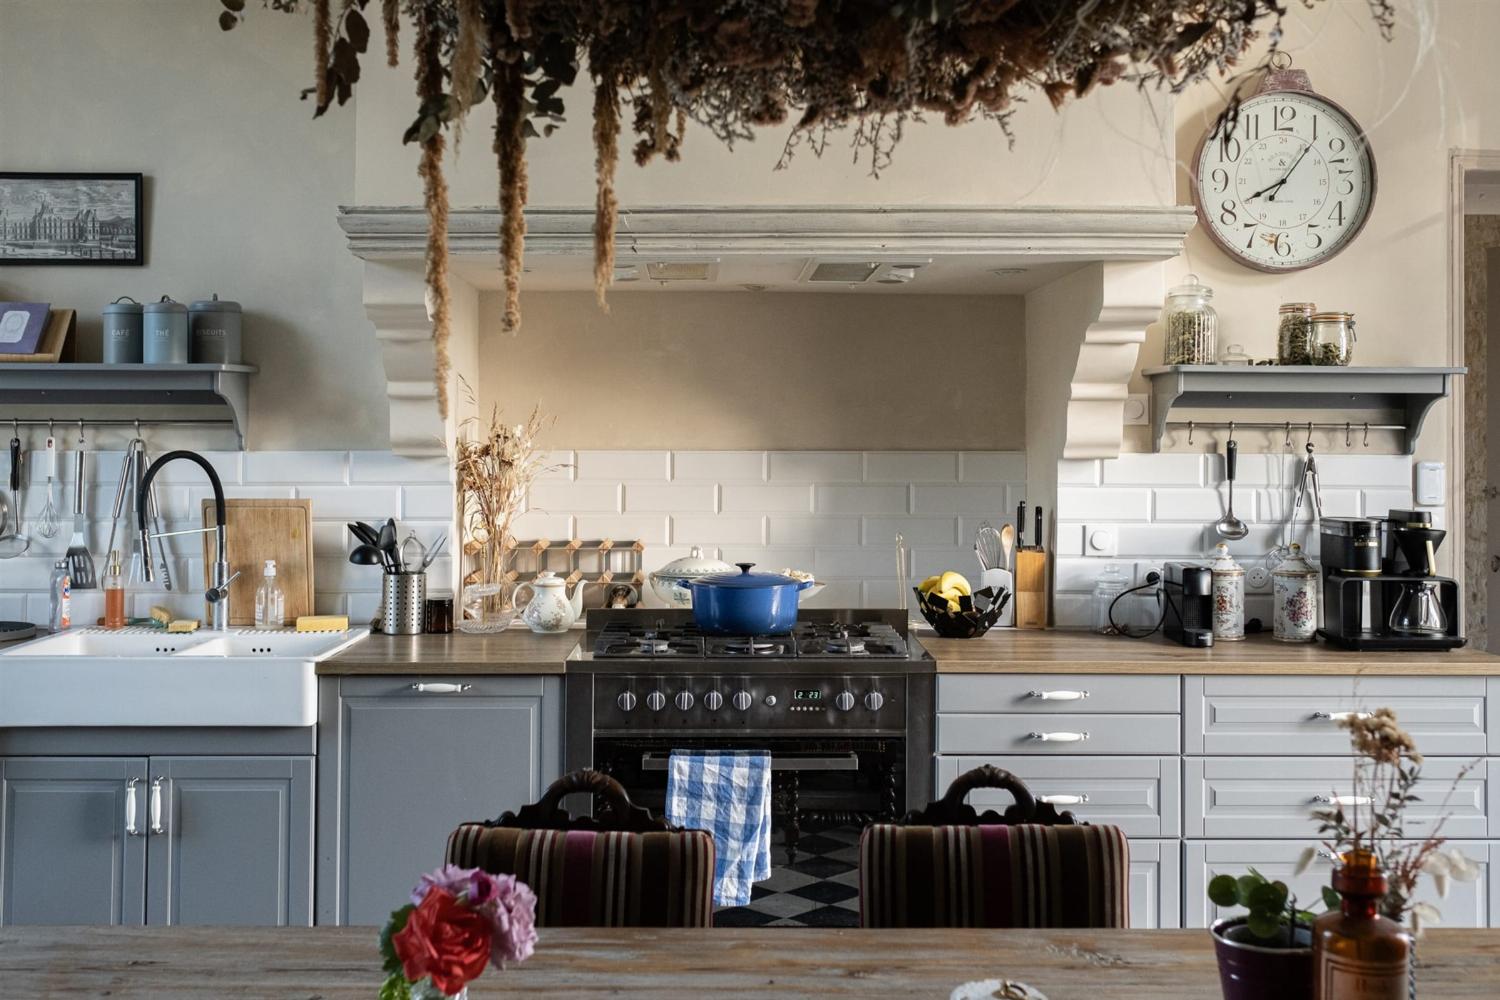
(1294, 585)
(1229, 595)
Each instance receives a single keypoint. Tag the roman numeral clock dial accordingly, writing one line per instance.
(1289, 185)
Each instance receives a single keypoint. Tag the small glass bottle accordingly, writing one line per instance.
(270, 603)
(114, 593)
(1357, 953)
(1294, 333)
(1110, 585)
(1191, 323)
(1333, 338)
(60, 617)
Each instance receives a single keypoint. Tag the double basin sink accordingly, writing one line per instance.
(146, 677)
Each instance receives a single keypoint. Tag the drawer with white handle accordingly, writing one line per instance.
(1057, 734)
(1274, 797)
(1060, 693)
(1140, 795)
(1261, 715)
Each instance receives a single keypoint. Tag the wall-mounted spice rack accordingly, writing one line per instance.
(608, 562)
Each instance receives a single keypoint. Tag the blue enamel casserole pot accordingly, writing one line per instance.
(746, 603)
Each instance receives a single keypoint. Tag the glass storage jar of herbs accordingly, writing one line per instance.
(1192, 325)
(1294, 334)
(1332, 338)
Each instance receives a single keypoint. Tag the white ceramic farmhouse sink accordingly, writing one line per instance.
(140, 677)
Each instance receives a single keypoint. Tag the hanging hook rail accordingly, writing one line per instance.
(1285, 427)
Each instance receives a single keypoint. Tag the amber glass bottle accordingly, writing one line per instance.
(1357, 953)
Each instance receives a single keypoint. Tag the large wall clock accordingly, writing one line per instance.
(1291, 183)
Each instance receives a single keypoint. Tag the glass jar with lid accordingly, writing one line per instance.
(1294, 333)
(1191, 323)
(1332, 338)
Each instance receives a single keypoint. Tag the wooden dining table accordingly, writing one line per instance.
(335, 963)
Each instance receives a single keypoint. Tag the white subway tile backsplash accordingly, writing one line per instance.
(424, 502)
(1067, 539)
(737, 498)
(349, 502)
(622, 465)
(916, 530)
(535, 524)
(1202, 505)
(226, 463)
(785, 529)
(697, 529)
(834, 564)
(649, 528)
(1078, 472)
(1172, 541)
(987, 501)
(911, 467)
(554, 466)
(385, 467)
(297, 467)
(1078, 503)
(576, 498)
(771, 558)
(719, 466)
(862, 499)
(1366, 470)
(670, 498)
(1153, 470)
(1379, 502)
(992, 466)
(815, 466)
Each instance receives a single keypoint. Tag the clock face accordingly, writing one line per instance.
(1290, 186)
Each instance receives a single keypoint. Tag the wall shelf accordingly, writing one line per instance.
(1409, 392)
(223, 389)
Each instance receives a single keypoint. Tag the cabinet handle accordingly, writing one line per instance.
(1341, 800)
(1340, 716)
(1063, 800)
(1058, 737)
(131, 830)
(156, 826)
(440, 687)
(1057, 695)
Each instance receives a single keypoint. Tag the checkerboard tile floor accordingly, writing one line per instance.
(820, 889)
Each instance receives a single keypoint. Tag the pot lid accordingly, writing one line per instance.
(746, 580)
(124, 304)
(167, 305)
(1224, 562)
(547, 578)
(1295, 564)
(215, 304)
(691, 566)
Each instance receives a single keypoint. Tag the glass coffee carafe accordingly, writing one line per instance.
(1418, 609)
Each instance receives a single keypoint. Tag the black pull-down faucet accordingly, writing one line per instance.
(217, 594)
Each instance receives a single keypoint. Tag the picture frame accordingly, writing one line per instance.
(60, 218)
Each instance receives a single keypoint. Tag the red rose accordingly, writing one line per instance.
(445, 940)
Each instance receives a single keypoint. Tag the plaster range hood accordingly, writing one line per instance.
(842, 250)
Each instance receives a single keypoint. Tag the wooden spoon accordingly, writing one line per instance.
(1008, 543)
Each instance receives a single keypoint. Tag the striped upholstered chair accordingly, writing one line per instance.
(628, 870)
(948, 866)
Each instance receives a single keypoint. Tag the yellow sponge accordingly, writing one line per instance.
(161, 614)
(323, 623)
(183, 625)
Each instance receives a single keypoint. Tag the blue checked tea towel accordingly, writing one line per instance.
(727, 793)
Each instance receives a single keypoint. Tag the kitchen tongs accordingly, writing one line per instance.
(132, 471)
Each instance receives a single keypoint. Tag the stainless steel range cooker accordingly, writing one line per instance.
(843, 702)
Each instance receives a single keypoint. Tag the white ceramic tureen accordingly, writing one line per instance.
(670, 582)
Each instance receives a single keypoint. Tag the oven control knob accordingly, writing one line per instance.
(844, 701)
(742, 701)
(770, 701)
(713, 701)
(626, 701)
(684, 700)
(656, 701)
(874, 700)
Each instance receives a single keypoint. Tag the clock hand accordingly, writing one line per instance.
(1277, 185)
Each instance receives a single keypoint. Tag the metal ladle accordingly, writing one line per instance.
(1229, 526)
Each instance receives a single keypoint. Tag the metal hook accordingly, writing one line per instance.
(15, 427)
(80, 432)
(1287, 444)
(138, 427)
(1348, 440)
(1367, 434)
(1309, 433)
(1190, 433)
(49, 427)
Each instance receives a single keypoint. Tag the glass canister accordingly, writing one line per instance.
(165, 333)
(1332, 338)
(1294, 333)
(1107, 589)
(1294, 588)
(122, 332)
(1191, 323)
(215, 324)
(1229, 595)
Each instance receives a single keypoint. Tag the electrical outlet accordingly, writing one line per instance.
(1258, 578)
(1137, 409)
(1101, 540)
(1430, 484)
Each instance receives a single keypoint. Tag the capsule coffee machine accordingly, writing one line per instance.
(1380, 584)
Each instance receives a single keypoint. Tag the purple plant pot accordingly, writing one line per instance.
(1249, 970)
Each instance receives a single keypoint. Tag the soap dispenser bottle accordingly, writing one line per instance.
(114, 593)
(270, 603)
(60, 618)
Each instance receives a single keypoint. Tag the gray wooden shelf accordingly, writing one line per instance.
(222, 388)
(1409, 392)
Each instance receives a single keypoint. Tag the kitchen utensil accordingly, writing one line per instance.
(257, 530)
(433, 551)
(903, 568)
(1008, 546)
(670, 583)
(1041, 539)
(388, 543)
(1229, 526)
(48, 521)
(127, 463)
(80, 562)
(987, 547)
(1020, 525)
(368, 555)
(153, 510)
(408, 540)
(365, 533)
(746, 603)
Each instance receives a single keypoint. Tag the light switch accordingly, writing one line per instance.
(1101, 540)
(1137, 409)
(1431, 486)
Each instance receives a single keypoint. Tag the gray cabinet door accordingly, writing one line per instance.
(66, 856)
(234, 842)
(400, 766)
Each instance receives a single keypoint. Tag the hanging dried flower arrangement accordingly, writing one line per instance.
(734, 66)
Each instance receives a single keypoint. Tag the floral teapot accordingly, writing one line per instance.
(550, 609)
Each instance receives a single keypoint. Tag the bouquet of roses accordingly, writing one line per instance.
(458, 921)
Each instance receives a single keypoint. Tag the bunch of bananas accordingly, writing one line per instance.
(949, 586)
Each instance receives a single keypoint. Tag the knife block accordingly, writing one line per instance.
(1031, 588)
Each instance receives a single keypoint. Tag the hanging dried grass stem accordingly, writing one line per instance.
(510, 152)
(606, 207)
(322, 45)
(466, 61)
(390, 17)
(435, 199)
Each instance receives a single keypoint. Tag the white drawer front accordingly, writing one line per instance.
(1256, 716)
(1140, 795)
(1072, 735)
(1468, 904)
(1155, 884)
(1057, 693)
(1273, 797)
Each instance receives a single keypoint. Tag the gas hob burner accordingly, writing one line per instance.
(750, 645)
(653, 645)
(861, 640)
(661, 642)
(844, 645)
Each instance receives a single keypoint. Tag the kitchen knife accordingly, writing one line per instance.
(1020, 525)
(1040, 538)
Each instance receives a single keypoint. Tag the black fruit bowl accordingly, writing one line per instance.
(974, 617)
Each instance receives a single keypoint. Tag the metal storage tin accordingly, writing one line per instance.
(165, 333)
(122, 332)
(215, 324)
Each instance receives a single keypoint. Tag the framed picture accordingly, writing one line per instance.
(71, 219)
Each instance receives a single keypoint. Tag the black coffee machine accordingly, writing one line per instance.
(1189, 592)
(1380, 584)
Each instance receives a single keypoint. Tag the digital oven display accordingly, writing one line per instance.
(807, 694)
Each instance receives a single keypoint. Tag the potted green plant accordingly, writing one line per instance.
(1268, 951)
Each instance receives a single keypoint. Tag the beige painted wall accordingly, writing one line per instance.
(763, 371)
(242, 189)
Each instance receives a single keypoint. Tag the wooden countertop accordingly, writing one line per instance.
(342, 963)
(514, 651)
(1080, 652)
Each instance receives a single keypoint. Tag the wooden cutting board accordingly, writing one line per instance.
(258, 530)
